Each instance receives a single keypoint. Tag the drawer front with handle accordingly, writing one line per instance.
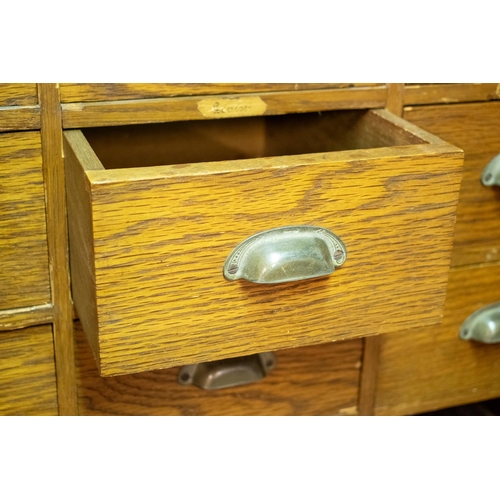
(148, 243)
(475, 128)
(313, 380)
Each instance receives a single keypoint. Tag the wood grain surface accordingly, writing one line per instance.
(162, 234)
(27, 372)
(315, 380)
(24, 272)
(13, 319)
(475, 128)
(371, 345)
(18, 94)
(57, 238)
(88, 92)
(429, 368)
(450, 93)
(19, 118)
(139, 111)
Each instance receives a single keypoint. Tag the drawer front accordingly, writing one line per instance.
(148, 246)
(431, 368)
(475, 128)
(18, 94)
(315, 380)
(24, 273)
(91, 92)
(27, 372)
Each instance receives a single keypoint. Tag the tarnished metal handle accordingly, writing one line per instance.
(289, 253)
(228, 372)
(491, 173)
(483, 325)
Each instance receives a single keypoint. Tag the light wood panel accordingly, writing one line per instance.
(430, 368)
(450, 93)
(88, 92)
(18, 94)
(24, 272)
(27, 372)
(99, 114)
(161, 235)
(316, 380)
(57, 238)
(475, 127)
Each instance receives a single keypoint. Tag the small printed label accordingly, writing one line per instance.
(232, 108)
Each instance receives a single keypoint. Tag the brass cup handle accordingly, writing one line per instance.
(483, 325)
(284, 254)
(491, 173)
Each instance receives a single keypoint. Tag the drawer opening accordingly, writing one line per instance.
(245, 138)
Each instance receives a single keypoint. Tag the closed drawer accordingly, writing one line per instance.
(27, 372)
(24, 272)
(18, 94)
(430, 368)
(94, 92)
(313, 380)
(148, 242)
(475, 128)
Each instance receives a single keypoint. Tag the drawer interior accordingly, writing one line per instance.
(244, 138)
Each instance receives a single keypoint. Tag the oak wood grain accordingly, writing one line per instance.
(416, 94)
(19, 118)
(99, 114)
(161, 235)
(88, 92)
(429, 368)
(315, 380)
(13, 319)
(395, 98)
(24, 272)
(57, 238)
(371, 345)
(27, 372)
(475, 128)
(18, 94)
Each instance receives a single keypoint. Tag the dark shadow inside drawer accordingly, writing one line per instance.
(243, 138)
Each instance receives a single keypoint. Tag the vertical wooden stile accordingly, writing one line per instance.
(395, 98)
(57, 237)
(371, 349)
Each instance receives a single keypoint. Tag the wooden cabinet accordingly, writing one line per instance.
(156, 177)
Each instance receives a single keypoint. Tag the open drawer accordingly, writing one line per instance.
(154, 212)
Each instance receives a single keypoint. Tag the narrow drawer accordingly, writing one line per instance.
(94, 92)
(18, 94)
(313, 380)
(27, 372)
(430, 368)
(475, 128)
(148, 242)
(24, 272)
